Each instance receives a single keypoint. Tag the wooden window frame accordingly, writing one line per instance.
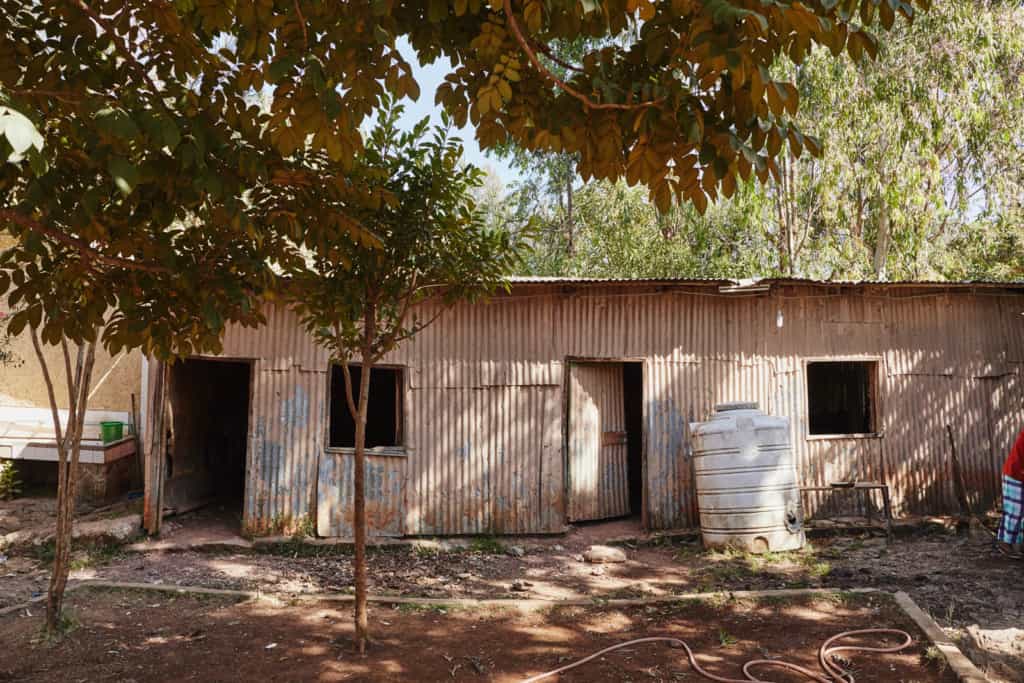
(401, 405)
(874, 388)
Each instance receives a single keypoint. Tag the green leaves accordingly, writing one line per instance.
(116, 123)
(20, 133)
(410, 231)
(124, 173)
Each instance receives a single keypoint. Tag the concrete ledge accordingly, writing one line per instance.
(118, 529)
(964, 668)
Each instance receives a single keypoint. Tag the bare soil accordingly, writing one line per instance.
(977, 598)
(142, 636)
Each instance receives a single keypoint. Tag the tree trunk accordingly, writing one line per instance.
(69, 446)
(882, 239)
(570, 219)
(358, 479)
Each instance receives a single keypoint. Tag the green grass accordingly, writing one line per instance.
(932, 657)
(96, 555)
(486, 545)
(417, 608)
(725, 638)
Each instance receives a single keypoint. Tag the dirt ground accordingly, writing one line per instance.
(141, 636)
(977, 598)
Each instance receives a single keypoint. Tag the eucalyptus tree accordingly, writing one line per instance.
(921, 175)
(360, 298)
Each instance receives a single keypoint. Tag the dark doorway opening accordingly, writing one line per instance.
(210, 434)
(633, 398)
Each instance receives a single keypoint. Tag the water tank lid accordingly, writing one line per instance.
(736, 405)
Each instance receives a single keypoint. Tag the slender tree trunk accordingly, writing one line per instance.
(358, 479)
(570, 219)
(882, 239)
(69, 446)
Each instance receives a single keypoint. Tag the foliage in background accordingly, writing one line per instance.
(10, 487)
(922, 174)
(7, 357)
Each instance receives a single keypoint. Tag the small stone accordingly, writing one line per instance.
(600, 554)
(516, 551)
(558, 549)
(520, 586)
(597, 571)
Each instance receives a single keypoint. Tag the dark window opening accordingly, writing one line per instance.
(841, 397)
(383, 410)
(632, 385)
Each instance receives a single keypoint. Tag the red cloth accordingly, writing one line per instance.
(1014, 466)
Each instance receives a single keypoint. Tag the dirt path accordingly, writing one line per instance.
(134, 636)
(978, 599)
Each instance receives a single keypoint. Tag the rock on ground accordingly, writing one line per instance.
(602, 554)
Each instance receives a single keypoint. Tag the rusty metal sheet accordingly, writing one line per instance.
(598, 473)
(385, 495)
(485, 391)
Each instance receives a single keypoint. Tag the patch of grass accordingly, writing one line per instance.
(96, 555)
(486, 545)
(43, 552)
(418, 608)
(688, 603)
(66, 623)
(10, 486)
(426, 552)
(933, 657)
(297, 547)
(304, 528)
(725, 638)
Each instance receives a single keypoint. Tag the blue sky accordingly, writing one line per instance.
(429, 77)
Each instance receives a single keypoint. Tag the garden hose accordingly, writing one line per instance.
(833, 673)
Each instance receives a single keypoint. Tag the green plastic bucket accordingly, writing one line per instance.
(111, 431)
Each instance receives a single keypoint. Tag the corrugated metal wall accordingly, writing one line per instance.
(485, 398)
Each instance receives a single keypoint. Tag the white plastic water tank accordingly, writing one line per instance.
(746, 480)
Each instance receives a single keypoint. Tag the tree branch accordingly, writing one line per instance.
(85, 250)
(66, 97)
(524, 43)
(347, 374)
(302, 23)
(48, 380)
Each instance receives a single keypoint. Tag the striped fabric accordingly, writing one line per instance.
(1013, 509)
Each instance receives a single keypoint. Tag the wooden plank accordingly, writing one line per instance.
(598, 471)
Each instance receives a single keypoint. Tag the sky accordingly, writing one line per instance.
(429, 77)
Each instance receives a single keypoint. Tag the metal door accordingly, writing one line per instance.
(598, 481)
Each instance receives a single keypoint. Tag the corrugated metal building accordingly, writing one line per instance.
(569, 400)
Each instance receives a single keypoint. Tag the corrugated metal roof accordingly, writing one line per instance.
(559, 280)
(759, 282)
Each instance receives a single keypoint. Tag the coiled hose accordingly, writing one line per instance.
(833, 673)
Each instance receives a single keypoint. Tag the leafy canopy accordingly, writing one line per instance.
(415, 196)
(676, 94)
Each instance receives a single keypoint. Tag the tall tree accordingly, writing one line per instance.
(920, 177)
(140, 218)
(360, 300)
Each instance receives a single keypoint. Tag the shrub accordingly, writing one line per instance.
(9, 484)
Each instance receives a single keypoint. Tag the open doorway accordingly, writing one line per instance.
(605, 440)
(210, 426)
